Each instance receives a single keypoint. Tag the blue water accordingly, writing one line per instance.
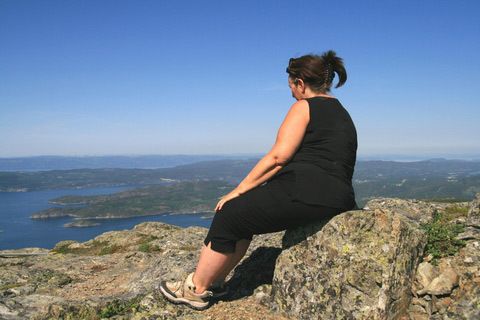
(17, 230)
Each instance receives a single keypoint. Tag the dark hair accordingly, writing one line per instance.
(318, 71)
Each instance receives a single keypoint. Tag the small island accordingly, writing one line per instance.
(81, 223)
(180, 198)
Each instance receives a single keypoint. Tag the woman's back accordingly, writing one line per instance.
(321, 170)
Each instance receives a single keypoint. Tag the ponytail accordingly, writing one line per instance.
(334, 64)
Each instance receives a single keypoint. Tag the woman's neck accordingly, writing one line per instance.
(311, 94)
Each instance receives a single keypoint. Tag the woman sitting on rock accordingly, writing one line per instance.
(304, 178)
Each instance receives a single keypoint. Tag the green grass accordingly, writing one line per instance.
(441, 233)
(446, 200)
(148, 247)
(10, 286)
(96, 248)
(144, 244)
(119, 307)
(116, 309)
(188, 248)
(102, 247)
(109, 249)
(454, 212)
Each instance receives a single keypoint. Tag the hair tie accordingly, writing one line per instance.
(329, 73)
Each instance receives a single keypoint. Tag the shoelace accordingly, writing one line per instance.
(179, 285)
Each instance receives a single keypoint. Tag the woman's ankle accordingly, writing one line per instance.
(199, 289)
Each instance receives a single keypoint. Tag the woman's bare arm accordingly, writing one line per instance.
(289, 138)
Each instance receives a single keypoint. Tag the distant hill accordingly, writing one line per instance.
(430, 179)
(228, 170)
(41, 163)
(447, 180)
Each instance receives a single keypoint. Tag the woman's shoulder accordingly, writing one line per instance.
(300, 104)
(300, 108)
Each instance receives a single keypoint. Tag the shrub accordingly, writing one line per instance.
(441, 236)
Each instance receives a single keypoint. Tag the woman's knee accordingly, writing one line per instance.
(230, 205)
(229, 210)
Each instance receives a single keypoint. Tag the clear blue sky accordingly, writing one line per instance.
(208, 77)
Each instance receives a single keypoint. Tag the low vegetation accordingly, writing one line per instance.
(95, 248)
(442, 233)
(120, 307)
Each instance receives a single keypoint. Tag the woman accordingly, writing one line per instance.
(308, 174)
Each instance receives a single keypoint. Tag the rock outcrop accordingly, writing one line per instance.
(361, 264)
(451, 290)
(116, 274)
(474, 211)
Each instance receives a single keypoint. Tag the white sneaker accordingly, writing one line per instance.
(183, 291)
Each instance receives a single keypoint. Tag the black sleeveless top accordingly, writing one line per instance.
(321, 170)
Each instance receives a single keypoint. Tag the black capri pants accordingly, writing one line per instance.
(263, 209)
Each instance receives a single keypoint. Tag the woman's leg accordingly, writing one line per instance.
(241, 248)
(214, 265)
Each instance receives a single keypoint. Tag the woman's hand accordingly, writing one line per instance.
(225, 198)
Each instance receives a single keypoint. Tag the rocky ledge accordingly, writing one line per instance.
(362, 264)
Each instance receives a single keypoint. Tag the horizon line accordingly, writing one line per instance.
(370, 156)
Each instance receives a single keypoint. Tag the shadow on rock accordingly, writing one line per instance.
(254, 271)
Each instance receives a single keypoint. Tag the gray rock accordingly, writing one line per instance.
(79, 280)
(417, 210)
(470, 233)
(417, 312)
(441, 285)
(426, 272)
(474, 210)
(359, 265)
(425, 304)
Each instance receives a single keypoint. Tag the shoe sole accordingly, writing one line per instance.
(172, 298)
